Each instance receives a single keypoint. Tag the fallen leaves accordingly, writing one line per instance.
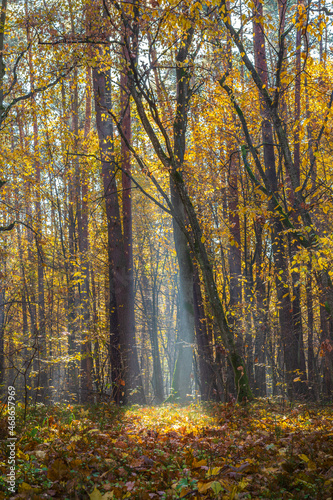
(164, 453)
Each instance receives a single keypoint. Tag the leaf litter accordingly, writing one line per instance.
(264, 450)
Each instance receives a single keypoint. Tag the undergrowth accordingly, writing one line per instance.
(267, 450)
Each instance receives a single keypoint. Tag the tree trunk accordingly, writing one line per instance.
(183, 367)
(150, 308)
(207, 379)
(313, 388)
(289, 333)
(83, 234)
(126, 357)
(196, 240)
(260, 319)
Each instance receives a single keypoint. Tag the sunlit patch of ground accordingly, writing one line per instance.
(265, 450)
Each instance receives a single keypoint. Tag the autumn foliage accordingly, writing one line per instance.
(273, 451)
(165, 225)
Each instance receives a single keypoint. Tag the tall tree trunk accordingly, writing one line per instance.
(2, 63)
(207, 379)
(260, 318)
(313, 389)
(150, 307)
(2, 335)
(128, 269)
(301, 386)
(41, 339)
(234, 256)
(283, 293)
(83, 234)
(195, 236)
(185, 340)
(124, 362)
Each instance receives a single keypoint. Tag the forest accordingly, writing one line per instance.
(165, 208)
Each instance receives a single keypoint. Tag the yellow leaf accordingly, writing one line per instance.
(304, 458)
(204, 487)
(216, 487)
(297, 379)
(22, 455)
(95, 495)
(24, 487)
(108, 496)
(200, 463)
(311, 465)
(203, 239)
(214, 471)
(298, 189)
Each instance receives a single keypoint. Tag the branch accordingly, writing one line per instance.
(14, 71)
(87, 40)
(5, 113)
(8, 228)
(279, 67)
(248, 63)
(132, 179)
(313, 161)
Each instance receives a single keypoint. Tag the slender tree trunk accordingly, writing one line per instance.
(43, 376)
(150, 307)
(301, 386)
(83, 234)
(207, 379)
(196, 239)
(128, 269)
(2, 337)
(180, 386)
(234, 256)
(313, 389)
(2, 63)
(260, 319)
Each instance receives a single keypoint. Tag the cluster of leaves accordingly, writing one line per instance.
(266, 450)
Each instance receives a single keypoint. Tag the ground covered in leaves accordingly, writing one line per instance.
(266, 450)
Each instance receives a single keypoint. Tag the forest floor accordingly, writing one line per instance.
(266, 450)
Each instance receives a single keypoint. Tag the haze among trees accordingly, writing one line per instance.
(166, 200)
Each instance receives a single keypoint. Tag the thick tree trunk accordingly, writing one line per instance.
(120, 334)
(290, 331)
(185, 340)
(301, 386)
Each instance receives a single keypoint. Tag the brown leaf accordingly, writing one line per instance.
(120, 444)
(58, 470)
